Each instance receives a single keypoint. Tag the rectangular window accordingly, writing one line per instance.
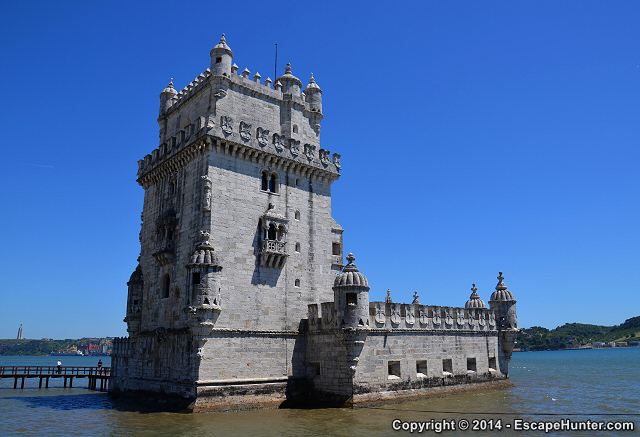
(421, 368)
(195, 278)
(336, 248)
(471, 364)
(352, 299)
(394, 370)
(492, 363)
(447, 367)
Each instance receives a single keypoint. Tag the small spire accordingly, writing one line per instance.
(312, 80)
(473, 288)
(501, 285)
(222, 40)
(415, 298)
(170, 83)
(351, 258)
(388, 299)
(287, 70)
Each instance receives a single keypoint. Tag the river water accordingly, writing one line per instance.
(596, 385)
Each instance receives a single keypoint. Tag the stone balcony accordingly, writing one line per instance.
(273, 254)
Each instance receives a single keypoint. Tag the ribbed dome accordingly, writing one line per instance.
(288, 76)
(501, 293)
(351, 276)
(222, 45)
(169, 89)
(136, 276)
(204, 254)
(313, 86)
(475, 301)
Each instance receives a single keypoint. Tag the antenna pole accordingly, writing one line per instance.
(275, 73)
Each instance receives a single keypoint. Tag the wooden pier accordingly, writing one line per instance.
(94, 374)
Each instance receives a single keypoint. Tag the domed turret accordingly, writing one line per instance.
(313, 95)
(166, 97)
(475, 301)
(204, 268)
(221, 57)
(290, 83)
(504, 304)
(351, 296)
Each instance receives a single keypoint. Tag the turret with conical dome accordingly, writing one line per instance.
(221, 58)
(474, 301)
(351, 296)
(504, 304)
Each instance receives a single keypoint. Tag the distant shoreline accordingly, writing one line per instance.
(576, 349)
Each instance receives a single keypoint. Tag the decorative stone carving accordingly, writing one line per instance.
(206, 201)
(481, 318)
(410, 317)
(472, 319)
(309, 151)
(424, 315)
(325, 159)
(492, 319)
(278, 142)
(437, 319)
(294, 147)
(327, 309)
(460, 317)
(395, 313)
(448, 319)
(380, 315)
(263, 136)
(336, 160)
(226, 124)
(245, 131)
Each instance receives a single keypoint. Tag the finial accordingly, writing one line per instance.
(312, 80)
(171, 83)
(415, 298)
(288, 69)
(501, 285)
(351, 258)
(388, 299)
(473, 288)
(222, 40)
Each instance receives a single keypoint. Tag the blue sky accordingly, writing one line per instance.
(475, 137)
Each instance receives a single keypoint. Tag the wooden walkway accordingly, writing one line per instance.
(94, 374)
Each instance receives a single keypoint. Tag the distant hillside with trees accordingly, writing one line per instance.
(572, 335)
(45, 347)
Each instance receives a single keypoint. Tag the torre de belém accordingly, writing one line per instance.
(241, 298)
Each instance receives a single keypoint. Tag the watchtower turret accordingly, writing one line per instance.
(166, 98)
(221, 58)
(351, 296)
(313, 95)
(290, 83)
(504, 305)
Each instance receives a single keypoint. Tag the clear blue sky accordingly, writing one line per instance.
(475, 136)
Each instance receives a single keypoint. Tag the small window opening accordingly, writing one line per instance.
(271, 233)
(447, 367)
(421, 368)
(166, 283)
(206, 301)
(265, 181)
(295, 128)
(297, 182)
(218, 60)
(298, 247)
(195, 278)
(336, 248)
(471, 364)
(314, 369)
(135, 302)
(492, 363)
(297, 215)
(394, 370)
(215, 301)
(169, 234)
(352, 299)
(297, 283)
(273, 183)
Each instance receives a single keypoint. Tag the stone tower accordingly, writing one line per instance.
(237, 237)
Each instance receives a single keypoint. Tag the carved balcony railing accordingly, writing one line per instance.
(273, 254)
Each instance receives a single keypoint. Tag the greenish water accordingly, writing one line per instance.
(599, 385)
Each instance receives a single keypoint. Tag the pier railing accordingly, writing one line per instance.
(67, 372)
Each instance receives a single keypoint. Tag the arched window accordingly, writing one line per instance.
(295, 128)
(280, 233)
(271, 234)
(265, 180)
(297, 215)
(297, 247)
(273, 183)
(165, 286)
(297, 283)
